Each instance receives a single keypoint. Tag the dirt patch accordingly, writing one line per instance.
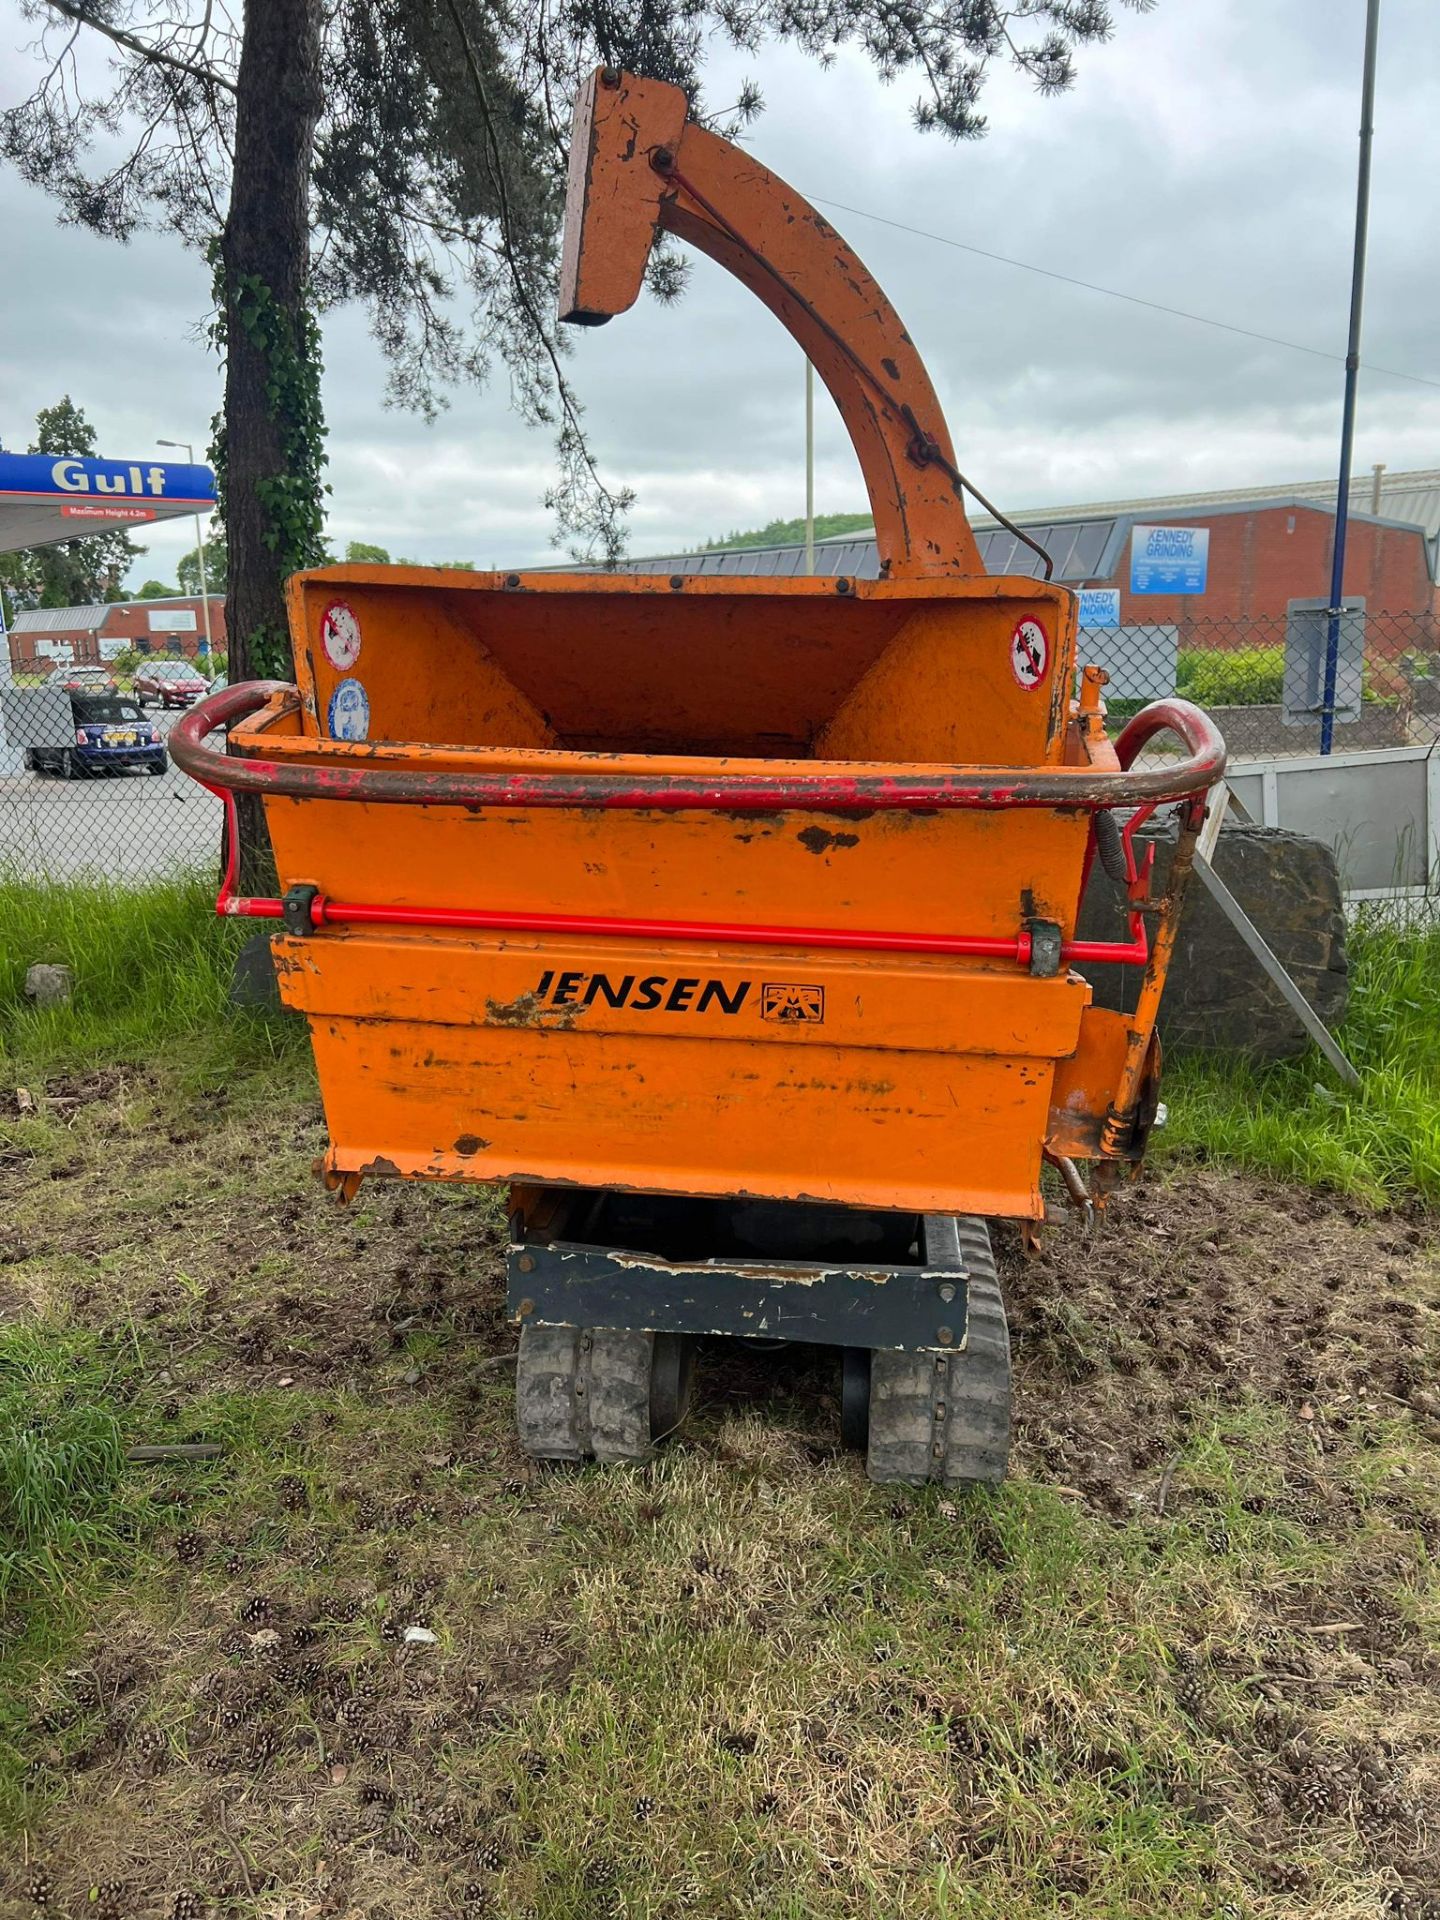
(1214, 1288)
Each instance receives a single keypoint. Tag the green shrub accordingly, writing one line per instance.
(1240, 677)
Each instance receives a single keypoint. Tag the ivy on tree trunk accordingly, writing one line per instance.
(269, 451)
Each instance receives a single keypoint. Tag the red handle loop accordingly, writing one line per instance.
(1087, 789)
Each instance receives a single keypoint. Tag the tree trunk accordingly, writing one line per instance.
(266, 239)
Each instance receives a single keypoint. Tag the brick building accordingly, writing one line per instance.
(1267, 546)
(45, 637)
(1265, 554)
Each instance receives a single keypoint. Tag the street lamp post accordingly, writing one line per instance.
(199, 552)
(1335, 611)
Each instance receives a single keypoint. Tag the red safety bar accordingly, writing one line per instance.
(1088, 789)
(322, 911)
(199, 760)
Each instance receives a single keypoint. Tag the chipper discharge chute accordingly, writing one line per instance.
(728, 922)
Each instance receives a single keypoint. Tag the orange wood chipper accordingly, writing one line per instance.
(729, 922)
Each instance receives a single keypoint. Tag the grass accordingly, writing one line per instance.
(151, 965)
(60, 1453)
(1380, 1143)
(739, 1682)
(1185, 1661)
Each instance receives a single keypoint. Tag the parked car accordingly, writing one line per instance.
(87, 680)
(218, 684)
(170, 683)
(109, 731)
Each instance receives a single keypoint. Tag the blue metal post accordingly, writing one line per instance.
(1352, 370)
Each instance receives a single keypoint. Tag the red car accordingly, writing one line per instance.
(170, 682)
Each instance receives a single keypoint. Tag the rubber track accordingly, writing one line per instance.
(941, 1415)
(583, 1393)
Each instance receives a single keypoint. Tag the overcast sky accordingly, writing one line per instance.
(1205, 159)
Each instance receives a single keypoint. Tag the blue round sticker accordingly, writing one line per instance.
(349, 712)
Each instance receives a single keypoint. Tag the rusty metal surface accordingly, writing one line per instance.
(406, 779)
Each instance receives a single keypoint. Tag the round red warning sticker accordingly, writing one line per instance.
(1029, 653)
(340, 636)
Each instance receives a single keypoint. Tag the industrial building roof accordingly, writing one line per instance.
(59, 620)
(1079, 551)
(1084, 542)
(1410, 499)
(92, 619)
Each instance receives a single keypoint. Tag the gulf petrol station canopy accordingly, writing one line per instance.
(46, 497)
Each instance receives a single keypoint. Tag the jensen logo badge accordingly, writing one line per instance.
(650, 993)
(780, 1000)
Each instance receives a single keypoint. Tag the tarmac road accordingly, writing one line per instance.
(124, 825)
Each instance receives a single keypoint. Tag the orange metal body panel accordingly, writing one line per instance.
(923, 1086)
(690, 1062)
(904, 671)
(926, 1083)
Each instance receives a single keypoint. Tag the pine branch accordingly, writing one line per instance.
(154, 56)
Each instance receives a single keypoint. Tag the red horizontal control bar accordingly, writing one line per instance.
(1016, 947)
(1088, 789)
(324, 912)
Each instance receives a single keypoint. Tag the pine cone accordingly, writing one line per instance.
(491, 1857)
(644, 1807)
(188, 1906)
(1283, 1876)
(1191, 1695)
(41, 1889)
(110, 1900)
(189, 1547)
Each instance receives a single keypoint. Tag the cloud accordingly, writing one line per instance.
(1205, 159)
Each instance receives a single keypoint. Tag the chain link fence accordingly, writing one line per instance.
(77, 805)
(1263, 679)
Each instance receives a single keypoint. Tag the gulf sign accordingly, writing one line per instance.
(104, 490)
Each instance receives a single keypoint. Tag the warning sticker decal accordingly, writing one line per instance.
(349, 712)
(1029, 653)
(340, 636)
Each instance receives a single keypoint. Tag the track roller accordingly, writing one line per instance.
(941, 1415)
(600, 1393)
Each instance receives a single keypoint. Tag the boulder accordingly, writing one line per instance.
(49, 986)
(1217, 994)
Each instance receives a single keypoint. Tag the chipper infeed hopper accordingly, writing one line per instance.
(729, 922)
